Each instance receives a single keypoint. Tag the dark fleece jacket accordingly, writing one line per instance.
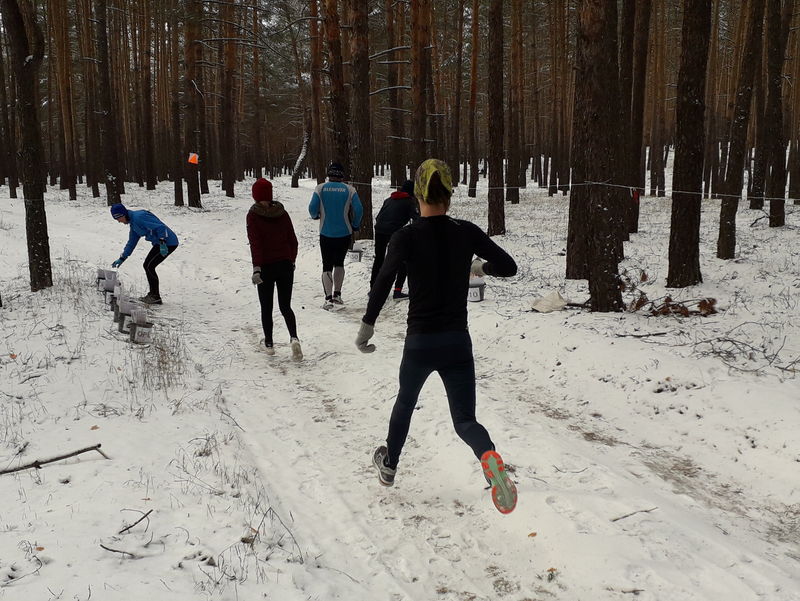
(271, 234)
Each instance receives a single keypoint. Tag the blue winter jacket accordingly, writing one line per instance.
(338, 208)
(144, 223)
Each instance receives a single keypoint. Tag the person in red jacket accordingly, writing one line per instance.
(273, 246)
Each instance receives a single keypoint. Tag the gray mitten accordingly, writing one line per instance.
(365, 332)
(477, 268)
(257, 276)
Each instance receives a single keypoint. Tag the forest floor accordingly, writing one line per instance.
(656, 457)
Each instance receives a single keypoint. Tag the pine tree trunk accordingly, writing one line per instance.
(317, 150)
(514, 106)
(362, 130)
(191, 97)
(107, 123)
(777, 36)
(27, 50)
(227, 132)
(636, 157)
(734, 174)
(597, 83)
(9, 129)
(687, 181)
(473, 101)
(496, 216)
(340, 111)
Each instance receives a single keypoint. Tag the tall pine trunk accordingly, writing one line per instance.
(687, 180)
(27, 50)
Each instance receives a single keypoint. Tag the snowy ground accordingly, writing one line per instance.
(656, 458)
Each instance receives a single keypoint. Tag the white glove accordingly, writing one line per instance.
(257, 276)
(365, 332)
(477, 268)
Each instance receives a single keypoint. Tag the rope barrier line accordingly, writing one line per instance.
(608, 185)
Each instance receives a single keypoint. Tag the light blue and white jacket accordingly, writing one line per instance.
(144, 223)
(338, 208)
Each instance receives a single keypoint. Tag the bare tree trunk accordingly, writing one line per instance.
(687, 181)
(778, 19)
(108, 129)
(419, 57)
(514, 106)
(317, 149)
(596, 82)
(340, 111)
(228, 147)
(9, 129)
(636, 156)
(148, 127)
(473, 101)
(455, 140)
(193, 53)
(27, 50)
(734, 174)
(362, 130)
(496, 217)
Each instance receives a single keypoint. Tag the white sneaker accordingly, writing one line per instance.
(297, 352)
(270, 349)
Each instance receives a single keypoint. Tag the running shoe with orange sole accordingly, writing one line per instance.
(504, 492)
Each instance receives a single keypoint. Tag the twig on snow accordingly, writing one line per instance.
(627, 515)
(133, 556)
(136, 522)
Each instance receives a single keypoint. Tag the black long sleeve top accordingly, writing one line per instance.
(438, 253)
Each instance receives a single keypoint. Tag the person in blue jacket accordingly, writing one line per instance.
(163, 239)
(339, 210)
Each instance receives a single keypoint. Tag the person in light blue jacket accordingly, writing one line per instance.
(163, 239)
(338, 208)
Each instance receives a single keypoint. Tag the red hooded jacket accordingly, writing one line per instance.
(271, 234)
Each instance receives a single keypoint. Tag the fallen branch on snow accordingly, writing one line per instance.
(39, 463)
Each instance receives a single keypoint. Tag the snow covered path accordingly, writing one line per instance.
(641, 471)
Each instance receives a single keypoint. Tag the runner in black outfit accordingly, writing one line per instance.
(397, 211)
(438, 252)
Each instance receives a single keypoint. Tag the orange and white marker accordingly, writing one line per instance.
(193, 158)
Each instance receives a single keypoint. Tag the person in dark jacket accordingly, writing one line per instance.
(438, 252)
(163, 239)
(397, 211)
(273, 246)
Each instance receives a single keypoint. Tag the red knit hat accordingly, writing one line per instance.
(262, 190)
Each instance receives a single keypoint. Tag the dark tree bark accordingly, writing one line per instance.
(636, 157)
(148, 135)
(317, 150)
(734, 174)
(193, 52)
(362, 130)
(596, 83)
(687, 181)
(27, 51)
(340, 110)
(228, 131)
(455, 143)
(107, 122)
(473, 101)
(420, 33)
(177, 155)
(778, 19)
(497, 216)
(514, 106)
(9, 133)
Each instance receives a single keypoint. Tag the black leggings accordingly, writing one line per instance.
(333, 251)
(280, 275)
(381, 242)
(449, 353)
(151, 261)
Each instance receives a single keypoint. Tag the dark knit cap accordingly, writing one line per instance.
(408, 187)
(262, 190)
(118, 210)
(336, 170)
